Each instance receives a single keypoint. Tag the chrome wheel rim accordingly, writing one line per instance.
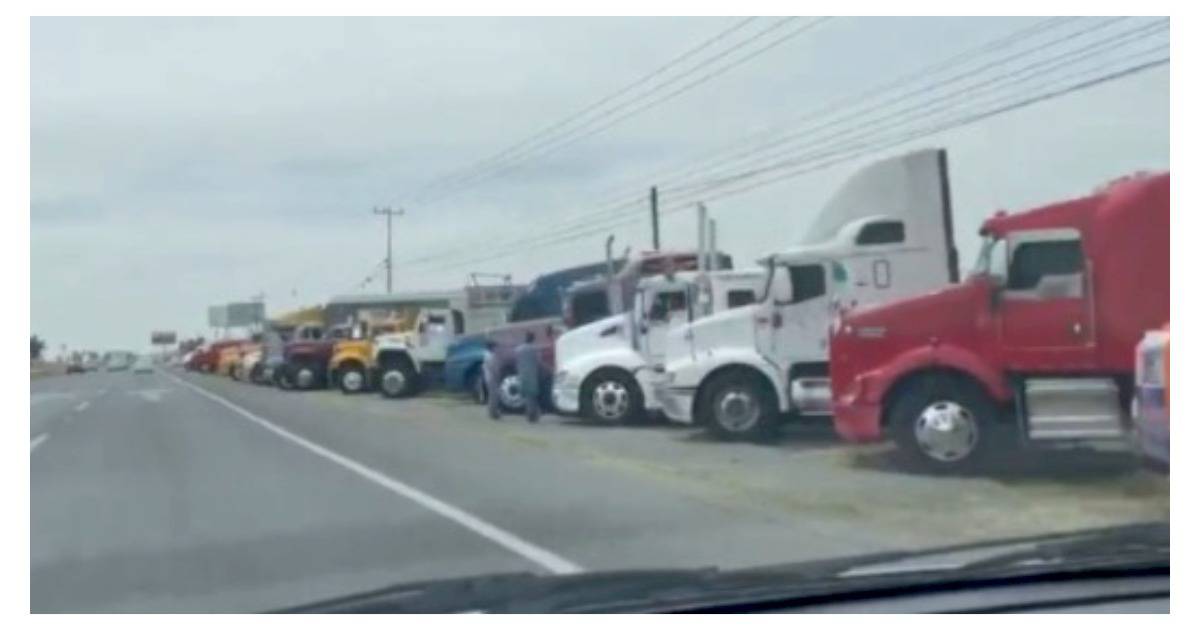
(737, 410)
(394, 382)
(946, 431)
(305, 378)
(352, 380)
(510, 392)
(610, 400)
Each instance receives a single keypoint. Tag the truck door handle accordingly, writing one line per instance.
(1077, 328)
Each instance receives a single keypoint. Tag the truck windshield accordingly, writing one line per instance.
(991, 262)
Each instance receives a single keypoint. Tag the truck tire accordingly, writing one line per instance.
(511, 398)
(945, 424)
(611, 396)
(352, 378)
(283, 378)
(256, 373)
(739, 406)
(397, 379)
(307, 375)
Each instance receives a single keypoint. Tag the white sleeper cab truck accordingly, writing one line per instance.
(603, 367)
(886, 234)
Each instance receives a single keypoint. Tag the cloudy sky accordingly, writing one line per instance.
(178, 163)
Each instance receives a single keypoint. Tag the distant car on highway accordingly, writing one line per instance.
(75, 366)
(118, 361)
(143, 364)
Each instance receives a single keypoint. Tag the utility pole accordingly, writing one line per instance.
(654, 215)
(389, 213)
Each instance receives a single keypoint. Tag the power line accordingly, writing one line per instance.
(548, 146)
(1008, 39)
(835, 106)
(439, 181)
(866, 149)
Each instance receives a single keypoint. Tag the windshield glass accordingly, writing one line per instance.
(305, 298)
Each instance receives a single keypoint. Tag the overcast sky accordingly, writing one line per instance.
(178, 163)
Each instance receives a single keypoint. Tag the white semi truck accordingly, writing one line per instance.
(886, 234)
(405, 362)
(603, 367)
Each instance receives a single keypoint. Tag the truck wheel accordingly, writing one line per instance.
(611, 397)
(352, 378)
(477, 386)
(256, 373)
(283, 378)
(511, 398)
(397, 380)
(944, 424)
(307, 376)
(739, 406)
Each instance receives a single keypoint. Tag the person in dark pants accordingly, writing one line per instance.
(529, 373)
(491, 379)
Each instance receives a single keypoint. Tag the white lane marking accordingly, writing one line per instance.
(37, 441)
(538, 555)
(81, 407)
(151, 395)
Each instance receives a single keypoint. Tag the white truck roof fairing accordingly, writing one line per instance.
(913, 188)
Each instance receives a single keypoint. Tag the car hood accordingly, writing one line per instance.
(1140, 546)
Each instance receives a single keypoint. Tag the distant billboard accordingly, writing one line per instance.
(244, 314)
(217, 316)
(162, 337)
(236, 314)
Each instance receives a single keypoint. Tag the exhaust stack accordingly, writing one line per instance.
(710, 259)
(608, 245)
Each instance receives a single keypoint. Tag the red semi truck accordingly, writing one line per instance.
(1035, 348)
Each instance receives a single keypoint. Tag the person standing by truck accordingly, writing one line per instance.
(491, 379)
(529, 373)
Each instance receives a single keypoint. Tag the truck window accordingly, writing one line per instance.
(589, 306)
(459, 326)
(740, 297)
(881, 233)
(1034, 260)
(808, 282)
(668, 302)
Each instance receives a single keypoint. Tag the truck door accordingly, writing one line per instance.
(1045, 307)
(799, 317)
(665, 309)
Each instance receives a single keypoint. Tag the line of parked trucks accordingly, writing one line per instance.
(865, 320)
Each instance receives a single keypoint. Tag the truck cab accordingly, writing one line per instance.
(1036, 348)
(406, 360)
(353, 360)
(306, 355)
(1152, 399)
(884, 235)
(603, 367)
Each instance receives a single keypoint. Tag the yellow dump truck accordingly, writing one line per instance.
(350, 366)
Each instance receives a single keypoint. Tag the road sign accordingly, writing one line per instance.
(162, 337)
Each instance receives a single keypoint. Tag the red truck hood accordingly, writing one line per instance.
(947, 309)
(874, 336)
(318, 347)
